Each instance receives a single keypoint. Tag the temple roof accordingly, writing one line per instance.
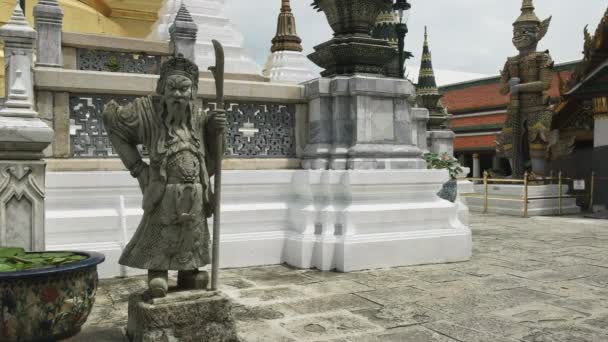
(286, 38)
(590, 76)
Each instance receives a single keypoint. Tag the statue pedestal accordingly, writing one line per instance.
(509, 200)
(181, 316)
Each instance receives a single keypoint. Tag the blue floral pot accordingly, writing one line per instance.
(48, 304)
(449, 191)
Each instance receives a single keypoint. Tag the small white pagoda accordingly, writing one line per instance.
(286, 62)
(212, 23)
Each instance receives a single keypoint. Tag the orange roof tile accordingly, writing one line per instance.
(485, 95)
(479, 141)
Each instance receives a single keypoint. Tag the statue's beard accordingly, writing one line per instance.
(177, 119)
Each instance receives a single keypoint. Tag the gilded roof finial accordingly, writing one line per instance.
(286, 38)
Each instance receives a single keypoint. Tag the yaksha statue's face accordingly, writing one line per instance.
(526, 36)
(178, 92)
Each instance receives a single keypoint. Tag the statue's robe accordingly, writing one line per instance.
(164, 240)
(532, 105)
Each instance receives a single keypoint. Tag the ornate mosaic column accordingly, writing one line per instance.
(23, 137)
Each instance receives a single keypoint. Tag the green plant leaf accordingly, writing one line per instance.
(7, 268)
(7, 252)
(56, 254)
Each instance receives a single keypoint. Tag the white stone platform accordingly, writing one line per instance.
(542, 200)
(344, 220)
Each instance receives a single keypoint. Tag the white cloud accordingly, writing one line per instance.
(468, 36)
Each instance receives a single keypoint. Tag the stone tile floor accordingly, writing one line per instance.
(531, 280)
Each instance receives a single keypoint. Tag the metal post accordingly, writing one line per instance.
(592, 191)
(551, 177)
(559, 200)
(485, 192)
(526, 195)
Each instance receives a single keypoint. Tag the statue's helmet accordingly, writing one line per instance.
(528, 29)
(178, 66)
(527, 14)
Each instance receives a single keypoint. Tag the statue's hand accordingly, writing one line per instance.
(514, 85)
(218, 121)
(144, 177)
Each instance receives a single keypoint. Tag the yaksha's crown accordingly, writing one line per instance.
(177, 66)
(527, 14)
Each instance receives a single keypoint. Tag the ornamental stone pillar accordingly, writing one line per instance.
(48, 18)
(23, 137)
(183, 34)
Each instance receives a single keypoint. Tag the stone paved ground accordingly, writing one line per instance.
(532, 280)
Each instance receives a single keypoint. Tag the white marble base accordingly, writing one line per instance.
(538, 205)
(288, 67)
(344, 220)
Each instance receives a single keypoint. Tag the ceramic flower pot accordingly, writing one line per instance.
(449, 191)
(48, 304)
(351, 16)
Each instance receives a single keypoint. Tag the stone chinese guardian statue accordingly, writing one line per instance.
(527, 77)
(177, 195)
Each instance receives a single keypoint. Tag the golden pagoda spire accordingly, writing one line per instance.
(286, 38)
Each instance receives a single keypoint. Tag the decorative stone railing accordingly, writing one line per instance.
(266, 120)
(113, 54)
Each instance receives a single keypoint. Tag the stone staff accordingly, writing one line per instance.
(218, 74)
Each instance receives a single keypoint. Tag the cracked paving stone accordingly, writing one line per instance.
(538, 315)
(334, 287)
(236, 283)
(481, 270)
(407, 334)
(339, 324)
(399, 295)
(597, 281)
(600, 322)
(566, 334)
(502, 282)
(393, 316)
(563, 273)
(100, 334)
(492, 324)
(272, 279)
(262, 332)
(257, 271)
(255, 296)
(461, 333)
(584, 305)
(443, 276)
(256, 313)
(327, 303)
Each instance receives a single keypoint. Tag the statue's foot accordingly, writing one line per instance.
(192, 280)
(158, 283)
